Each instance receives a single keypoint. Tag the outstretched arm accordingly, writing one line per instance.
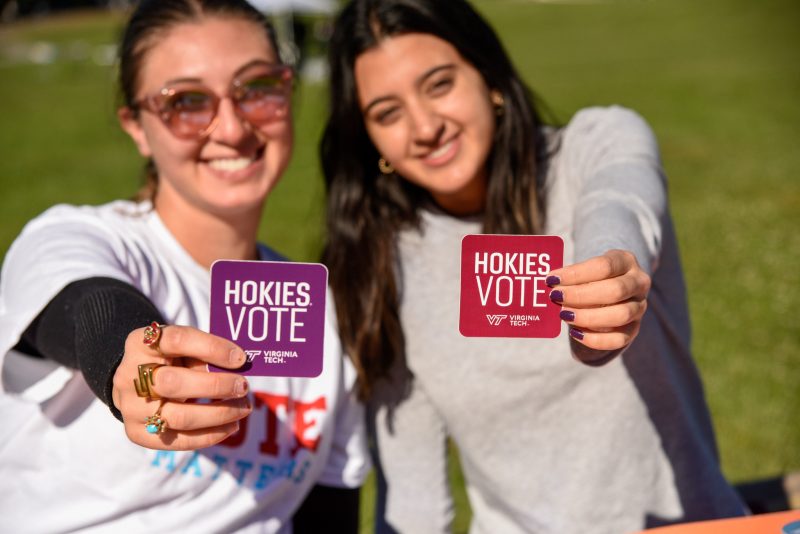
(84, 327)
(611, 162)
(94, 326)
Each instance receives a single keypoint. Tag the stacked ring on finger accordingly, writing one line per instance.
(152, 335)
(156, 424)
(144, 384)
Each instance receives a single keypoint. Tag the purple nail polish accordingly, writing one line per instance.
(567, 315)
(552, 280)
(556, 296)
(577, 334)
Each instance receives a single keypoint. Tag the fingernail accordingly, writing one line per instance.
(240, 389)
(567, 315)
(237, 357)
(556, 296)
(577, 334)
(552, 280)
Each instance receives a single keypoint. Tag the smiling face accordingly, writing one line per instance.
(233, 168)
(429, 113)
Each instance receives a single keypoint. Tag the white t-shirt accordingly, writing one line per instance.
(65, 461)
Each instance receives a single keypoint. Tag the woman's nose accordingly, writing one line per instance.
(427, 124)
(230, 128)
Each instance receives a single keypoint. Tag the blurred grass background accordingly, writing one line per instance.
(718, 80)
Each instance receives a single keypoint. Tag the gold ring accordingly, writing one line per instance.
(156, 424)
(144, 385)
(152, 335)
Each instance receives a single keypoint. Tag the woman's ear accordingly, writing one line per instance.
(130, 123)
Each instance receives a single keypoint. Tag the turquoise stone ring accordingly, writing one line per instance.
(155, 424)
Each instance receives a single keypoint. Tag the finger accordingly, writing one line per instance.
(137, 352)
(180, 441)
(116, 394)
(184, 417)
(128, 379)
(611, 264)
(187, 341)
(174, 382)
(602, 293)
(607, 317)
(195, 365)
(614, 339)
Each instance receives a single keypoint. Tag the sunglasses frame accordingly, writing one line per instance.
(155, 103)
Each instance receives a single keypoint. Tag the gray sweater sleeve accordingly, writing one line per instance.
(621, 194)
(609, 166)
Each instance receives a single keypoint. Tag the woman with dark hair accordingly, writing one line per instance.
(207, 101)
(432, 136)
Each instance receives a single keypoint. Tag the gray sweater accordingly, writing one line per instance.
(547, 444)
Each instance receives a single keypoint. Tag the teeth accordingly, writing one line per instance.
(229, 164)
(441, 150)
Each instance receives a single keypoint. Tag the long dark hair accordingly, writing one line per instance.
(366, 209)
(150, 20)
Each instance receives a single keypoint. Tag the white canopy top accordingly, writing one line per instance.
(300, 6)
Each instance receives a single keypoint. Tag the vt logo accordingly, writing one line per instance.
(251, 354)
(495, 320)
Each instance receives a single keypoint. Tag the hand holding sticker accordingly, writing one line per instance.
(275, 311)
(603, 299)
(503, 289)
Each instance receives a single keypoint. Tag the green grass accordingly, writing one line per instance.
(718, 80)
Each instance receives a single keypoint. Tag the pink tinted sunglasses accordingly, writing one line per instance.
(260, 94)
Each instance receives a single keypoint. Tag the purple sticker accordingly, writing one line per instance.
(275, 311)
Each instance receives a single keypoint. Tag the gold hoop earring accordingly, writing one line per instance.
(385, 167)
(498, 102)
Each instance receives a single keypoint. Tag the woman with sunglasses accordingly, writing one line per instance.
(432, 136)
(207, 102)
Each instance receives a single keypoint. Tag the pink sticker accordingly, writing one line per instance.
(503, 290)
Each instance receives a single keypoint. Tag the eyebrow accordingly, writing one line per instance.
(427, 74)
(239, 71)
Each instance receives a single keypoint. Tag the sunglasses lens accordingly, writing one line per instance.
(189, 113)
(264, 97)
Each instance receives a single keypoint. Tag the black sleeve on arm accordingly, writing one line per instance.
(85, 327)
(328, 509)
